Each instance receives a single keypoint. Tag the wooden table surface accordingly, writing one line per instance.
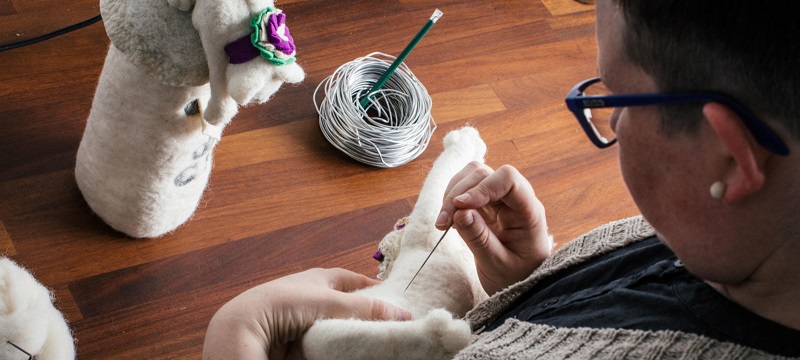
(282, 199)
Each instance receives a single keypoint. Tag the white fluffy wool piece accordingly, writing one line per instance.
(447, 286)
(146, 153)
(28, 318)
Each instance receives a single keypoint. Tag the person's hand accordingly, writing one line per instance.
(268, 320)
(501, 220)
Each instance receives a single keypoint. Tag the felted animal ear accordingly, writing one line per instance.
(158, 36)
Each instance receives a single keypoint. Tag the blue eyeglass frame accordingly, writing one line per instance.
(577, 103)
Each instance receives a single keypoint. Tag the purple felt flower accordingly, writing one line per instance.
(277, 33)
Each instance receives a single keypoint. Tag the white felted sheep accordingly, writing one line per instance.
(171, 82)
(28, 319)
(447, 286)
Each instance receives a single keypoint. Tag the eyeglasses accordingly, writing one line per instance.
(591, 103)
(30, 357)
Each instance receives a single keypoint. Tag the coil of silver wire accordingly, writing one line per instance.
(392, 129)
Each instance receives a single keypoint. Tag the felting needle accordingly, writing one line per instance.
(426, 259)
(382, 80)
(21, 349)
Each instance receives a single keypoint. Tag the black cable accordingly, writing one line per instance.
(50, 35)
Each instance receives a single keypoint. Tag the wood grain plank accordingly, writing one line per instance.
(174, 325)
(561, 7)
(7, 8)
(6, 245)
(295, 140)
(45, 103)
(456, 105)
(34, 18)
(584, 19)
(243, 259)
(33, 68)
(516, 62)
(542, 88)
(66, 304)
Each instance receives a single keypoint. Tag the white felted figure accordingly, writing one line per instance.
(172, 80)
(445, 289)
(28, 318)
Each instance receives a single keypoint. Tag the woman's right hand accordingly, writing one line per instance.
(501, 220)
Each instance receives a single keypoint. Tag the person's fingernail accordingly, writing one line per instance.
(442, 219)
(403, 315)
(463, 197)
(465, 220)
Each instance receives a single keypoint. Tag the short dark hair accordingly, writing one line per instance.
(747, 49)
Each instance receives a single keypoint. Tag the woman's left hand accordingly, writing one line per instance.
(268, 320)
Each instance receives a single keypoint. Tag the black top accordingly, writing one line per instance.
(644, 286)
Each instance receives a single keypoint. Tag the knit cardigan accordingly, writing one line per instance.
(516, 339)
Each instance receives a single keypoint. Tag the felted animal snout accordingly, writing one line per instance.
(258, 80)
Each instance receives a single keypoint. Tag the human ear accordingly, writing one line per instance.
(746, 174)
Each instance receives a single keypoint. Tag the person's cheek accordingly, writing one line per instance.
(615, 118)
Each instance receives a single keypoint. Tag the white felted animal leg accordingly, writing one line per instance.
(143, 162)
(460, 147)
(448, 281)
(436, 336)
(221, 109)
(28, 318)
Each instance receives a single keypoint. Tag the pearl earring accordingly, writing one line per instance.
(718, 190)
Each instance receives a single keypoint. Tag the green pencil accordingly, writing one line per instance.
(378, 85)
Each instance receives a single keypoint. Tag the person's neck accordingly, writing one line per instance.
(772, 291)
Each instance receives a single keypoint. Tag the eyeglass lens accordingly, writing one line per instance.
(600, 118)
